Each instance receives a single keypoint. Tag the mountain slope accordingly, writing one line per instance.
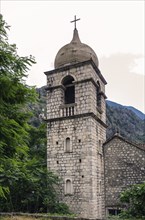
(136, 111)
(126, 122)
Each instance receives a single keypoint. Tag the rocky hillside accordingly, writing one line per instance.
(125, 121)
(128, 121)
(136, 111)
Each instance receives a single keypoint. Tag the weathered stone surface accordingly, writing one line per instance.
(85, 92)
(77, 131)
(124, 166)
(84, 126)
(75, 52)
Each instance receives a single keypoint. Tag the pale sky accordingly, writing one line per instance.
(114, 29)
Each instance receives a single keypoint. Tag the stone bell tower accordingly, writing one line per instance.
(76, 128)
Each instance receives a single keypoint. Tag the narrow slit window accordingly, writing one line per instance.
(98, 95)
(100, 146)
(68, 187)
(100, 186)
(68, 147)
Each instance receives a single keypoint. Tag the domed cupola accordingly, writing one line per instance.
(75, 52)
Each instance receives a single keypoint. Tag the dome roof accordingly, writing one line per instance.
(75, 52)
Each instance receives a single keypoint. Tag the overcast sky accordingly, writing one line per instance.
(114, 29)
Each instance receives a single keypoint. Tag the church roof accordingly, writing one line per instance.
(75, 52)
(138, 145)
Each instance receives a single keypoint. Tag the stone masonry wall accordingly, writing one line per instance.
(83, 165)
(124, 166)
(85, 92)
(81, 170)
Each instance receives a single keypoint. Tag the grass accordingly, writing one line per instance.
(22, 218)
(17, 218)
(126, 219)
(46, 216)
(117, 218)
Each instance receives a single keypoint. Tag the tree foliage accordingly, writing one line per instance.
(25, 183)
(134, 198)
(14, 94)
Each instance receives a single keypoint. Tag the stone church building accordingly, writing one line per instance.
(124, 166)
(77, 149)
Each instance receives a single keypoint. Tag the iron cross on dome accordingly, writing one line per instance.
(75, 20)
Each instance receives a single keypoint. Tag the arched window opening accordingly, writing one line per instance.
(67, 145)
(69, 93)
(98, 95)
(68, 186)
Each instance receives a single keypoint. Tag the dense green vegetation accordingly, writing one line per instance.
(134, 200)
(25, 183)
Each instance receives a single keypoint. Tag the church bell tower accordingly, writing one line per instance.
(76, 128)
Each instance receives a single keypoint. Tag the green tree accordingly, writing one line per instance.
(134, 199)
(14, 95)
(25, 183)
